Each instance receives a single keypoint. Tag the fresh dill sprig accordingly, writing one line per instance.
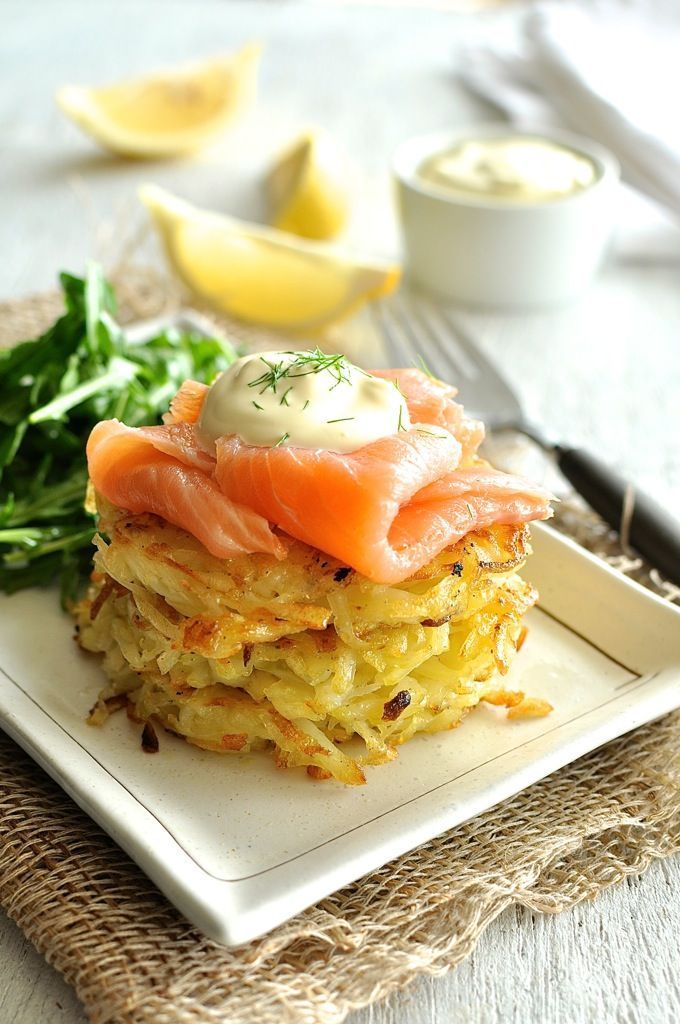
(271, 376)
(432, 433)
(318, 361)
(282, 440)
(304, 363)
(284, 396)
(342, 419)
(258, 406)
(400, 421)
(305, 405)
(422, 365)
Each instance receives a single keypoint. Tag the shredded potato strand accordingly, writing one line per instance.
(300, 655)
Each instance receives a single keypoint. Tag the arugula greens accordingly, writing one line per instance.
(52, 392)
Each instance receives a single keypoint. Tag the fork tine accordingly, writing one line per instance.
(413, 325)
(412, 344)
(398, 349)
(430, 352)
(491, 390)
(444, 338)
(423, 344)
(412, 333)
(456, 334)
(467, 343)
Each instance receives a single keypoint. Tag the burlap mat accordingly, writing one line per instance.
(134, 960)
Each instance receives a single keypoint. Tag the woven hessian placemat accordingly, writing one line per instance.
(133, 959)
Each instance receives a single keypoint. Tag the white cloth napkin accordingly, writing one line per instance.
(609, 71)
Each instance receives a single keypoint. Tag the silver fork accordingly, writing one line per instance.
(416, 329)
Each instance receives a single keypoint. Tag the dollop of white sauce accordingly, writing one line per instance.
(516, 169)
(304, 400)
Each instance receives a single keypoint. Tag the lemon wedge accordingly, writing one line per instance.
(307, 188)
(169, 113)
(260, 274)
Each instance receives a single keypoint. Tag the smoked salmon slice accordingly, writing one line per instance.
(134, 469)
(432, 401)
(181, 441)
(386, 509)
(471, 498)
(187, 404)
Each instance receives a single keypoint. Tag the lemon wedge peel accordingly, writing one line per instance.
(260, 274)
(307, 188)
(169, 113)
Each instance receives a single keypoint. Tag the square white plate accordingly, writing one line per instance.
(239, 846)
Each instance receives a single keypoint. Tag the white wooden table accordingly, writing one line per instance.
(605, 371)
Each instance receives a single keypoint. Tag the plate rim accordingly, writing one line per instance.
(220, 906)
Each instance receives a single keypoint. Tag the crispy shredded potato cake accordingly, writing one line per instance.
(298, 655)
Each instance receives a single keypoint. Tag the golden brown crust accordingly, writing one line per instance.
(300, 655)
(531, 707)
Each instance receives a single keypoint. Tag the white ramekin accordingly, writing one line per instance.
(495, 253)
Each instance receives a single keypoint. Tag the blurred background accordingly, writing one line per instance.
(601, 369)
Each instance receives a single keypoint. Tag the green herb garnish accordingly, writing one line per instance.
(271, 376)
(281, 440)
(304, 363)
(52, 392)
(422, 365)
(342, 419)
(431, 433)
